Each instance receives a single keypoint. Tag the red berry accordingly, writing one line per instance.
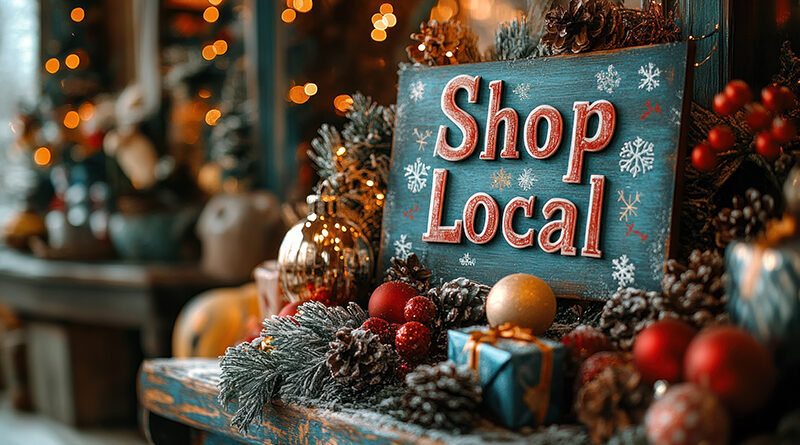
(413, 340)
(733, 365)
(721, 138)
(783, 130)
(723, 106)
(767, 146)
(658, 350)
(596, 363)
(389, 299)
(787, 97)
(584, 341)
(703, 157)
(419, 308)
(757, 117)
(738, 93)
(777, 99)
(290, 309)
(378, 326)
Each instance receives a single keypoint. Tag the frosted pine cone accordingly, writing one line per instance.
(410, 271)
(584, 25)
(747, 218)
(631, 310)
(446, 43)
(697, 292)
(357, 358)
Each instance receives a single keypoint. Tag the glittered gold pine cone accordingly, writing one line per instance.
(585, 25)
(446, 43)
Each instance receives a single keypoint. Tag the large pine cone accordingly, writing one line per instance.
(446, 43)
(460, 302)
(410, 271)
(631, 310)
(357, 358)
(444, 396)
(697, 292)
(746, 220)
(612, 401)
(584, 26)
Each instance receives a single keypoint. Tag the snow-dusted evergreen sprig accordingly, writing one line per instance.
(369, 123)
(323, 153)
(293, 368)
(513, 40)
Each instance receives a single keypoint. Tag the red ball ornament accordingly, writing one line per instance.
(584, 341)
(379, 327)
(290, 309)
(788, 99)
(757, 117)
(721, 138)
(723, 106)
(413, 340)
(389, 299)
(659, 349)
(687, 415)
(738, 93)
(596, 363)
(419, 308)
(777, 99)
(783, 130)
(733, 365)
(767, 146)
(703, 157)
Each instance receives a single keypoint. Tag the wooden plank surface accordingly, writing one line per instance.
(185, 390)
(646, 113)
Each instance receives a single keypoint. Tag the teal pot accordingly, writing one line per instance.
(151, 236)
(764, 290)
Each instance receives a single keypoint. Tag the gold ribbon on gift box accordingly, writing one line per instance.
(536, 398)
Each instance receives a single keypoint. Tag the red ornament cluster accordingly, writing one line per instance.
(763, 119)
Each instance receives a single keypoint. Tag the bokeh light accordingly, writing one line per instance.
(77, 15)
(72, 119)
(52, 65)
(386, 8)
(211, 14)
(209, 52)
(42, 156)
(378, 35)
(220, 47)
(86, 111)
(288, 15)
(212, 116)
(72, 61)
(310, 88)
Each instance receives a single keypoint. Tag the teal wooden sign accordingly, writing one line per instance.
(562, 167)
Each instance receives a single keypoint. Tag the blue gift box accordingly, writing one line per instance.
(522, 381)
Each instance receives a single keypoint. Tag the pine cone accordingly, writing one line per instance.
(445, 43)
(460, 302)
(614, 400)
(746, 220)
(443, 396)
(410, 271)
(357, 358)
(697, 292)
(631, 310)
(584, 26)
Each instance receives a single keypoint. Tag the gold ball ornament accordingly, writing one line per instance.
(522, 299)
(325, 251)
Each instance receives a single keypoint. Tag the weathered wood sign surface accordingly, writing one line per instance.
(562, 167)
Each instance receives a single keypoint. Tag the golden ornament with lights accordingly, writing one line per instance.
(524, 300)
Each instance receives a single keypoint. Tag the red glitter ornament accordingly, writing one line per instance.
(659, 349)
(389, 299)
(419, 308)
(584, 341)
(379, 327)
(733, 365)
(596, 363)
(687, 415)
(412, 341)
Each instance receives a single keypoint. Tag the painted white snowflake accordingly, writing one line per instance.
(628, 207)
(501, 180)
(467, 260)
(650, 77)
(417, 91)
(417, 174)
(422, 137)
(402, 247)
(523, 90)
(608, 80)
(675, 116)
(624, 271)
(636, 157)
(526, 179)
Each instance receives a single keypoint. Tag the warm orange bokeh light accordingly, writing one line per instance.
(297, 94)
(52, 65)
(390, 19)
(209, 52)
(220, 47)
(378, 35)
(77, 15)
(204, 93)
(72, 61)
(386, 8)
(86, 111)
(310, 89)
(212, 116)
(215, 2)
(342, 102)
(288, 15)
(42, 156)
(72, 119)
(211, 14)
(303, 5)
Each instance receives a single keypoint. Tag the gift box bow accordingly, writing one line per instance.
(536, 397)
